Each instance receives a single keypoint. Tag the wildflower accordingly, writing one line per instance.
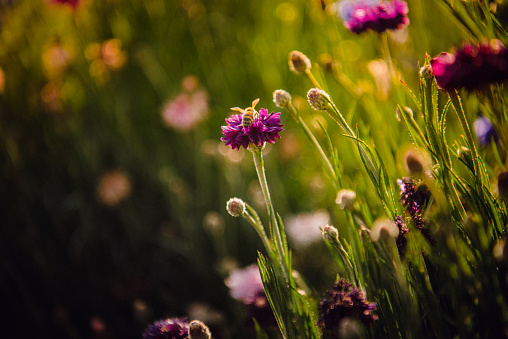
(235, 207)
(170, 328)
(246, 286)
(346, 199)
(114, 186)
(344, 301)
(401, 240)
(262, 128)
(330, 233)
(414, 195)
(318, 99)
(303, 229)
(377, 15)
(298, 62)
(484, 131)
(472, 66)
(384, 229)
(186, 110)
(198, 330)
(281, 98)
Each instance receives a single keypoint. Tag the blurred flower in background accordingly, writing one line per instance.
(381, 74)
(305, 228)
(485, 131)
(170, 328)
(113, 187)
(187, 109)
(55, 59)
(472, 66)
(379, 16)
(72, 3)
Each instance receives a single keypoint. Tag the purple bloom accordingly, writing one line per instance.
(484, 130)
(342, 302)
(170, 328)
(359, 16)
(413, 195)
(263, 128)
(472, 66)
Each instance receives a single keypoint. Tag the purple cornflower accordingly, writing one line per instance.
(262, 128)
(342, 302)
(471, 66)
(170, 328)
(413, 195)
(484, 130)
(359, 16)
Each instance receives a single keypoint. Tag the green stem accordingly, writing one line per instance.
(275, 230)
(312, 78)
(254, 220)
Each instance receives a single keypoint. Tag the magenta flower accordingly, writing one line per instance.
(72, 3)
(377, 15)
(472, 66)
(263, 128)
(342, 302)
(170, 328)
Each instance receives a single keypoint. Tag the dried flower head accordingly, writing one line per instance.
(198, 330)
(485, 131)
(235, 207)
(344, 301)
(414, 195)
(377, 15)
(170, 328)
(318, 99)
(262, 128)
(281, 98)
(346, 199)
(472, 66)
(298, 62)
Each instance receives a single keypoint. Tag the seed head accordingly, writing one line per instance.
(318, 99)
(281, 98)
(235, 207)
(298, 62)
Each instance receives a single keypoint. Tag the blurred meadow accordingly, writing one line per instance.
(113, 204)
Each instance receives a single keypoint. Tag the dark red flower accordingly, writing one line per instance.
(471, 66)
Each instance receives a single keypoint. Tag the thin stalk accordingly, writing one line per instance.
(254, 220)
(274, 227)
(312, 78)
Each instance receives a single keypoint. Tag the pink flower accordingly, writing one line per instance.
(245, 284)
(186, 110)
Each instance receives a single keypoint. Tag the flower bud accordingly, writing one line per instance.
(502, 184)
(330, 233)
(318, 99)
(426, 73)
(415, 164)
(346, 199)
(281, 98)
(298, 62)
(235, 207)
(198, 330)
(384, 229)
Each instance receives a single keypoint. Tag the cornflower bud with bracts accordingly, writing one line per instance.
(235, 207)
(472, 66)
(170, 328)
(346, 199)
(330, 233)
(426, 73)
(281, 98)
(198, 330)
(298, 62)
(259, 129)
(344, 301)
(318, 99)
